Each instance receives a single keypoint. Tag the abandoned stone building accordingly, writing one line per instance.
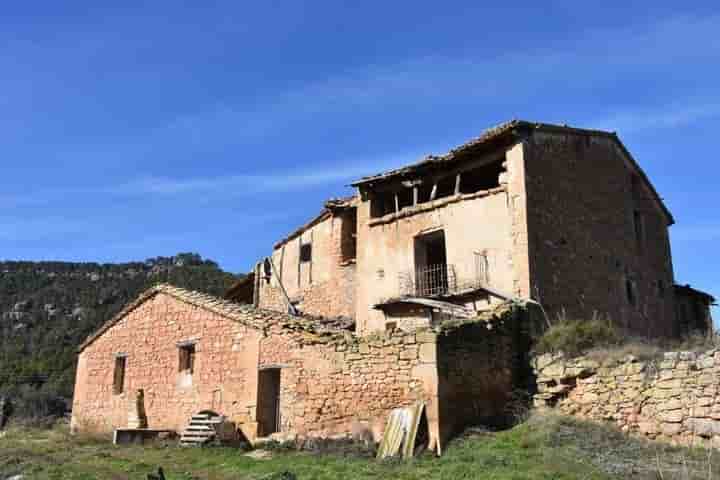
(414, 289)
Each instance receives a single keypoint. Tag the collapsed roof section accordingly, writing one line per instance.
(331, 207)
(501, 136)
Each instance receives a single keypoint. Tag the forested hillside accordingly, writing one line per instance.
(48, 308)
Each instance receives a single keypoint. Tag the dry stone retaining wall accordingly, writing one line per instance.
(675, 398)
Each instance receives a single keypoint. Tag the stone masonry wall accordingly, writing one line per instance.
(223, 380)
(475, 369)
(332, 382)
(351, 385)
(322, 287)
(582, 243)
(675, 398)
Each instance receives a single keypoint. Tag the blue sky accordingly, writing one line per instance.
(147, 128)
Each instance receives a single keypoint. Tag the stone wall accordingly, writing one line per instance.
(323, 286)
(479, 367)
(675, 398)
(350, 385)
(223, 380)
(582, 239)
(331, 382)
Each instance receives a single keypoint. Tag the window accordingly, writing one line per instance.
(187, 358)
(348, 239)
(267, 270)
(306, 252)
(119, 375)
(382, 203)
(482, 178)
(639, 228)
(630, 291)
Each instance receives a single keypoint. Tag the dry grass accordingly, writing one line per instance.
(601, 340)
(620, 455)
(576, 336)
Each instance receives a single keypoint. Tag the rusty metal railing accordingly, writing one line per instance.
(441, 279)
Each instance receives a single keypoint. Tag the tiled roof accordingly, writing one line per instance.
(259, 319)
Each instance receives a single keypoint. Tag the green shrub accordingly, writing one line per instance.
(574, 337)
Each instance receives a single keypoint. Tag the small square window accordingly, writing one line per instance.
(306, 252)
(119, 375)
(187, 358)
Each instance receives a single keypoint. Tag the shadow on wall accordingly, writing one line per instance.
(484, 373)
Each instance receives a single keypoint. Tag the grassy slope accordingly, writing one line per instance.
(543, 448)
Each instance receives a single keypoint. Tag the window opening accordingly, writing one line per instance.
(119, 375)
(187, 358)
(630, 291)
(348, 235)
(482, 178)
(305, 252)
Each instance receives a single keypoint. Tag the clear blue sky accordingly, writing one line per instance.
(149, 128)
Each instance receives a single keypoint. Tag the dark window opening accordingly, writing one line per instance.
(382, 203)
(267, 270)
(661, 288)
(445, 187)
(630, 292)
(119, 375)
(424, 192)
(186, 361)
(481, 178)
(390, 326)
(305, 252)
(405, 198)
(348, 235)
(639, 228)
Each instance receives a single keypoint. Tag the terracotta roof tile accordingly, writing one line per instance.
(256, 318)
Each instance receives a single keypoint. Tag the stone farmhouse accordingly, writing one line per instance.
(423, 286)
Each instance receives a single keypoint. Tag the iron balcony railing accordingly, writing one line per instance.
(442, 279)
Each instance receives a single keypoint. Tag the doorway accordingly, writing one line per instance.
(268, 402)
(431, 270)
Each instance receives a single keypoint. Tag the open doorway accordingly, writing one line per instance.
(268, 402)
(431, 270)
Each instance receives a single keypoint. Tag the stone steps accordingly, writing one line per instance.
(200, 430)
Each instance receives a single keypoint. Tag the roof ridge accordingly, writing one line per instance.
(244, 314)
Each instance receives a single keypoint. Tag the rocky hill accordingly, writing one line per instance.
(48, 308)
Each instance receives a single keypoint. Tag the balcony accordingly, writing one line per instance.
(442, 279)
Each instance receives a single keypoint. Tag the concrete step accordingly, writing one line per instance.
(191, 433)
(200, 428)
(205, 422)
(206, 417)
